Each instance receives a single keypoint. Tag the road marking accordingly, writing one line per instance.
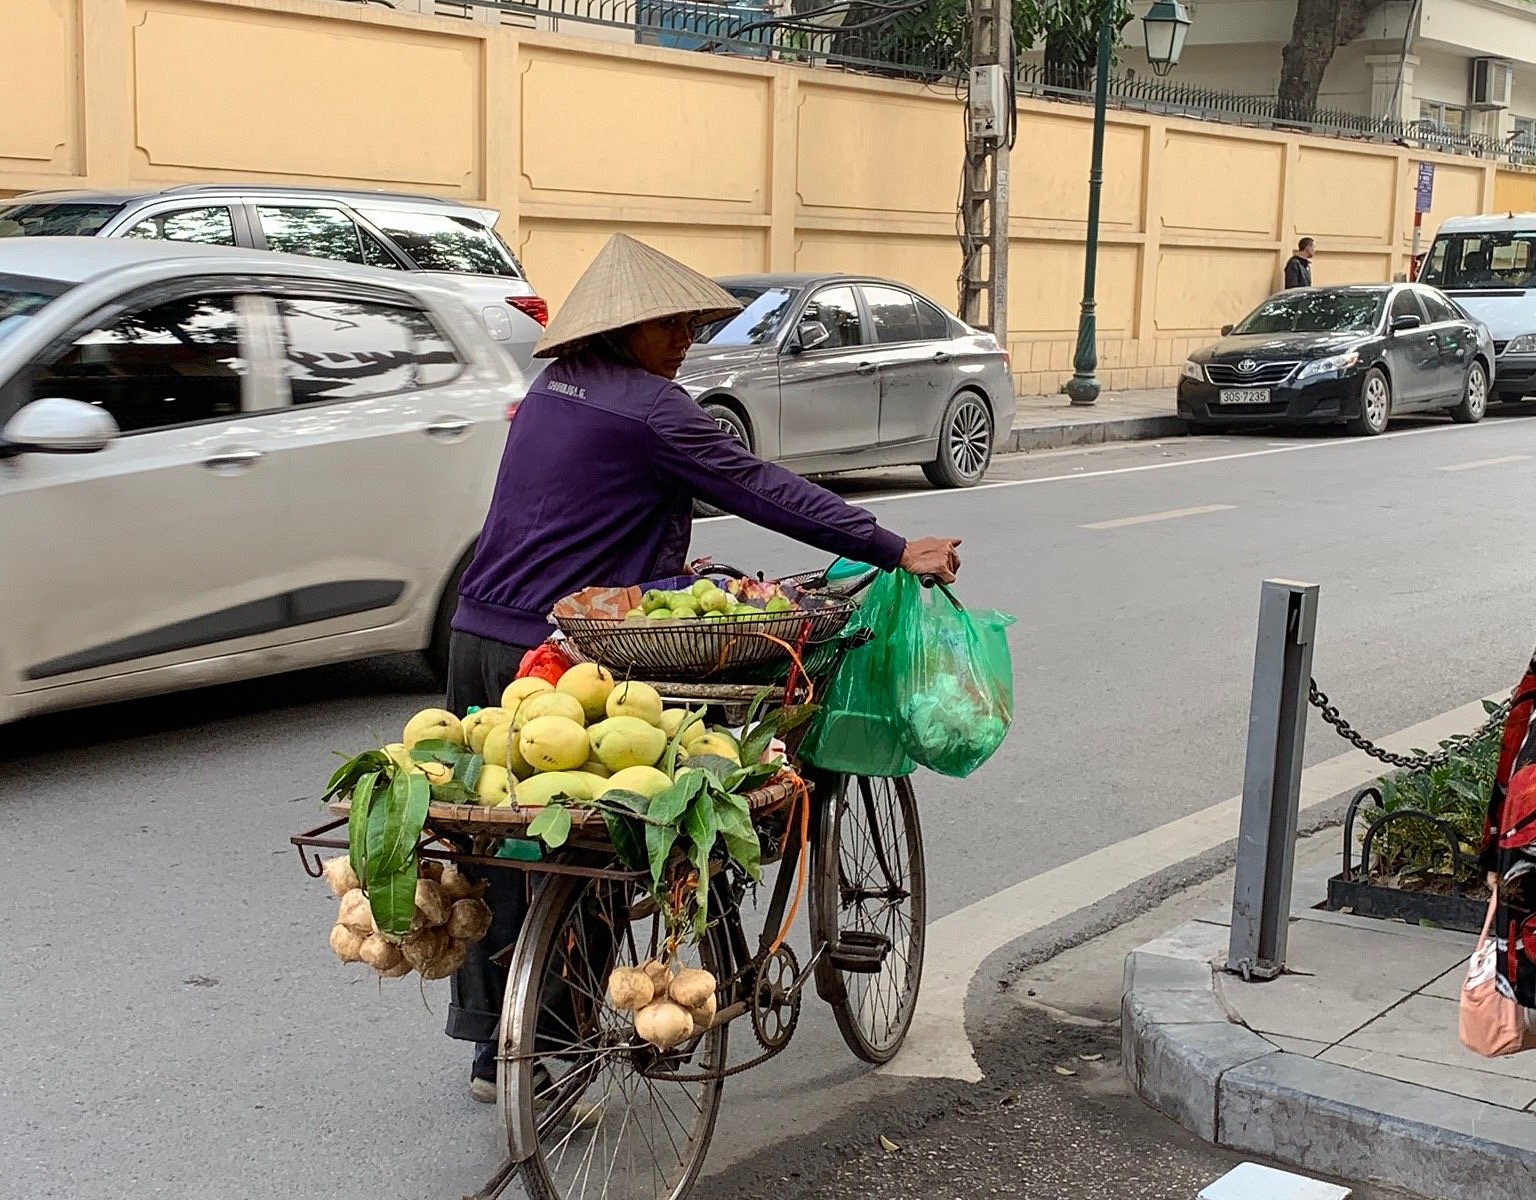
(1487, 462)
(1170, 515)
(1342, 443)
(937, 1046)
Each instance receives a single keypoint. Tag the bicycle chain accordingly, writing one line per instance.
(1414, 762)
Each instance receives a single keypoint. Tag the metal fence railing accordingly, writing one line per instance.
(915, 40)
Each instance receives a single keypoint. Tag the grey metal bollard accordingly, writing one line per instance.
(1277, 728)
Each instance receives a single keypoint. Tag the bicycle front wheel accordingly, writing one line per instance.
(590, 1109)
(869, 907)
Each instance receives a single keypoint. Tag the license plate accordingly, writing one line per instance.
(1244, 396)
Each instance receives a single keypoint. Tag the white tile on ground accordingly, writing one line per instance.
(1298, 1007)
(1395, 962)
(1475, 1084)
(1250, 1181)
(1425, 1028)
(1296, 1045)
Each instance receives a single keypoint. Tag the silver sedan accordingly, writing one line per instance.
(826, 373)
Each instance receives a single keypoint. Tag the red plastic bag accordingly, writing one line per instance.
(547, 662)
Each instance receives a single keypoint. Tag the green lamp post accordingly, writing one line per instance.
(1166, 25)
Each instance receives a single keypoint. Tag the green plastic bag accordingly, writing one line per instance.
(953, 676)
(858, 730)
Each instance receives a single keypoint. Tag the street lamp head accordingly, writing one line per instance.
(1166, 25)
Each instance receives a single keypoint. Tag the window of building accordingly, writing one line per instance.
(1451, 118)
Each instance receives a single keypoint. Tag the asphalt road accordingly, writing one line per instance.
(174, 1024)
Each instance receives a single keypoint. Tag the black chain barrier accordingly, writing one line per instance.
(1413, 762)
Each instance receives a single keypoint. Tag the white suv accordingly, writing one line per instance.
(452, 244)
(223, 463)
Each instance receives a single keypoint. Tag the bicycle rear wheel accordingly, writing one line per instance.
(869, 907)
(588, 1107)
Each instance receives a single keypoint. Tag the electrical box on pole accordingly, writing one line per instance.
(990, 121)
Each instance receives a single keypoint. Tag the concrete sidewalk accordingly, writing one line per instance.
(1347, 1065)
(1050, 422)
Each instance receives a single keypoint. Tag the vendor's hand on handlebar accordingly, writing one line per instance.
(932, 556)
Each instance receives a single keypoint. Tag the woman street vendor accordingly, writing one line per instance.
(604, 460)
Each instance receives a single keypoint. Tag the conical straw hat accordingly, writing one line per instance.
(629, 282)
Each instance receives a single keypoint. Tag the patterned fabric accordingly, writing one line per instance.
(1509, 845)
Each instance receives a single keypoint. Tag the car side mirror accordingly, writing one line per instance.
(1406, 322)
(810, 336)
(58, 426)
(1225, 330)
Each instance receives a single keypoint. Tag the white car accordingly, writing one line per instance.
(218, 463)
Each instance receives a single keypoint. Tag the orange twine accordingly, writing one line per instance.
(803, 795)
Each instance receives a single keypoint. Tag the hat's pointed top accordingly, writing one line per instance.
(627, 283)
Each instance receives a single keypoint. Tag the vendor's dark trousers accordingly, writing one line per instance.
(478, 671)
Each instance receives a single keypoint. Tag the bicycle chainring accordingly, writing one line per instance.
(775, 1002)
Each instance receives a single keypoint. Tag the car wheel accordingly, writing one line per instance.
(965, 443)
(442, 623)
(733, 423)
(1474, 398)
(1375, 404)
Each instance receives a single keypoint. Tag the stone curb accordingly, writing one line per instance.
(1189, 1060)
(1092, 433)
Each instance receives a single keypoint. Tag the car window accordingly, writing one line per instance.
(375, 253)
(317, 232)
(440, 242)
(893, 314)
(350, 349)
(1404, 305)
(836, 309)
(1317, 311)
(210, 226)
(932, 324)
(172, 363)
(23, 295)
(1482, 260)
(762, 314)
(1438, 308)
(55, 220)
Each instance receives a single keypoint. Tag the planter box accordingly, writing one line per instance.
(1463, 913)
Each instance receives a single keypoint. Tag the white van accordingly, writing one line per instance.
(1488, 266)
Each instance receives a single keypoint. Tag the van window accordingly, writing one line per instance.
(1482, 260)
(440, 242)
(55, 220)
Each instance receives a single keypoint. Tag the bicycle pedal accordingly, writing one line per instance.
(860, 952)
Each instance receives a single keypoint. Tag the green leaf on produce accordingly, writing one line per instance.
(347, 775)
(633, 801)
(675, 746)
(758, 701)
(746, 779)
(671, 803)
(454, 792)
(467, 770)
(552, 826)
(734, 824)
(717, 766)
(392, 852)
(776, 724)
(699, 826)
(659, 840)
(357, 825)
(628, 840)
(438, 750)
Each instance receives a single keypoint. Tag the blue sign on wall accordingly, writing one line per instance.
(1424, 194)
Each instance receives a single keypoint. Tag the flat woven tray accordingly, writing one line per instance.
(513, 820)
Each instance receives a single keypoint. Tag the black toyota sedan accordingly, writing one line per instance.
(1350, 355)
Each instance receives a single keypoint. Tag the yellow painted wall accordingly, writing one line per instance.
(731, 165)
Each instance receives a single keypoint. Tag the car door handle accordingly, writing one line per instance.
(866, 368)
(233, 460)
(447, 427)
(941, 357)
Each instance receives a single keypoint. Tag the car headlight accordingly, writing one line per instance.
(1524, 344)
(1335, 364)
(1193, 370)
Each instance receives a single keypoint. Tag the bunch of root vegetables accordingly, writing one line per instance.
(450, 918)
(669, 1006)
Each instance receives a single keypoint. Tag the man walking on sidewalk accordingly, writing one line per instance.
(1298, 268)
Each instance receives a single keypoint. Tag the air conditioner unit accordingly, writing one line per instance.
(1492, 79)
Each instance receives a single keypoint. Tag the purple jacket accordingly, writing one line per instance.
(596, 489)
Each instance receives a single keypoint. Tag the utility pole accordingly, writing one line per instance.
(989, 125)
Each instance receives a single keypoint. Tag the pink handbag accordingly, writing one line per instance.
(1492, 1024)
